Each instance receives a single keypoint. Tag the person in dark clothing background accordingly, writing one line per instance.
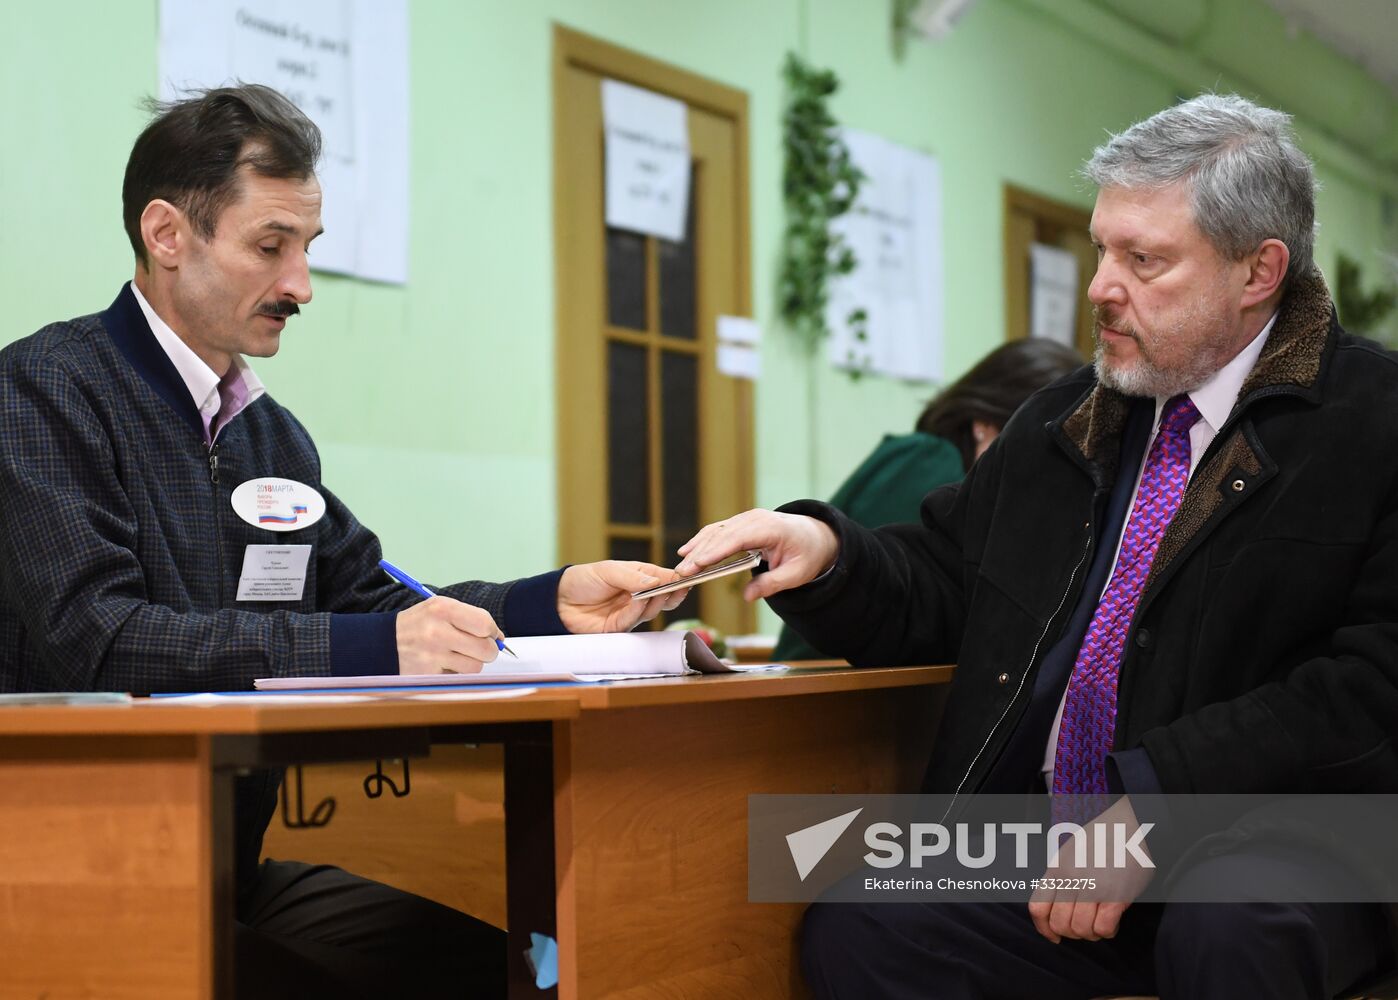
(954, 429)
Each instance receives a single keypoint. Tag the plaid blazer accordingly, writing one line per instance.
(122, 552)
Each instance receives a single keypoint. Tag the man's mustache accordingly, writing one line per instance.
(280, 309)
(1103, 318)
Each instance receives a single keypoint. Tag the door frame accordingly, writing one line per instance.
(575, 293)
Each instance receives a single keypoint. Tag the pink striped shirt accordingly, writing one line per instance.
(218, 400)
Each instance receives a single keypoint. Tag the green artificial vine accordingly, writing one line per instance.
(902, 15)
(820, 183)
(1359, 311)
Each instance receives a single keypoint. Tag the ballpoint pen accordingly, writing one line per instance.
(418, 588)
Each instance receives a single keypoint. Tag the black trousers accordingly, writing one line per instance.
(1178, 950)
(309, 931)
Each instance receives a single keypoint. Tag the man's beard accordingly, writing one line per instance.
(1146, 376)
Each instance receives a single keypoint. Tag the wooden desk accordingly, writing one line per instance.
(626, 809)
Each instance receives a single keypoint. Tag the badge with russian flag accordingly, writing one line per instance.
(278, 504)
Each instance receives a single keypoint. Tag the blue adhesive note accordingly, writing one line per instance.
(542, 957)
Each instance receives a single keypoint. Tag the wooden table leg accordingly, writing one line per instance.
(115, 868)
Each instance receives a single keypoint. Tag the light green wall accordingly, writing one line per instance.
(433, 404)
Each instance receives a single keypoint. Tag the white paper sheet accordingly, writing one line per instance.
(739, 330)
(470, 695)
(647, 147)
(549, 658)
(738, 360)
(345, 64)
(253, 698)
(1053, 303)
(292, 698)
(895, 231)
(528, 673)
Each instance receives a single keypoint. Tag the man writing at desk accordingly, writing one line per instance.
(131, 565)
(1173, 572)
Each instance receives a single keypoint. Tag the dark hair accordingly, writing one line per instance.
(190, 153)
(993, 389)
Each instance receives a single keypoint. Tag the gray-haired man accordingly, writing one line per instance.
(1174, 572)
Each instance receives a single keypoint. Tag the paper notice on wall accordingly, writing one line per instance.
(738, 360)
(647, 147)
(1053, 301)
(886, 317)
(345, 64)
(739, 330)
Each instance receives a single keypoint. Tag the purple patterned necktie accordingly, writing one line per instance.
(1089, 711)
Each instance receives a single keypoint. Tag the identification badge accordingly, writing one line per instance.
(274, 573)
(278, 504)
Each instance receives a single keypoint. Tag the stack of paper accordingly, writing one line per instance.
(608, 656)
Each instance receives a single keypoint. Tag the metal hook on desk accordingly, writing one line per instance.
(320, 815)
(373, 784)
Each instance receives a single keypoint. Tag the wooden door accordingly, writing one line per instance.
(1032, 218)
(653, 442)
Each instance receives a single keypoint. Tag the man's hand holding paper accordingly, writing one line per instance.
(796, 548)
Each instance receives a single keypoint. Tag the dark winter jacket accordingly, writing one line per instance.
(1264, 652)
